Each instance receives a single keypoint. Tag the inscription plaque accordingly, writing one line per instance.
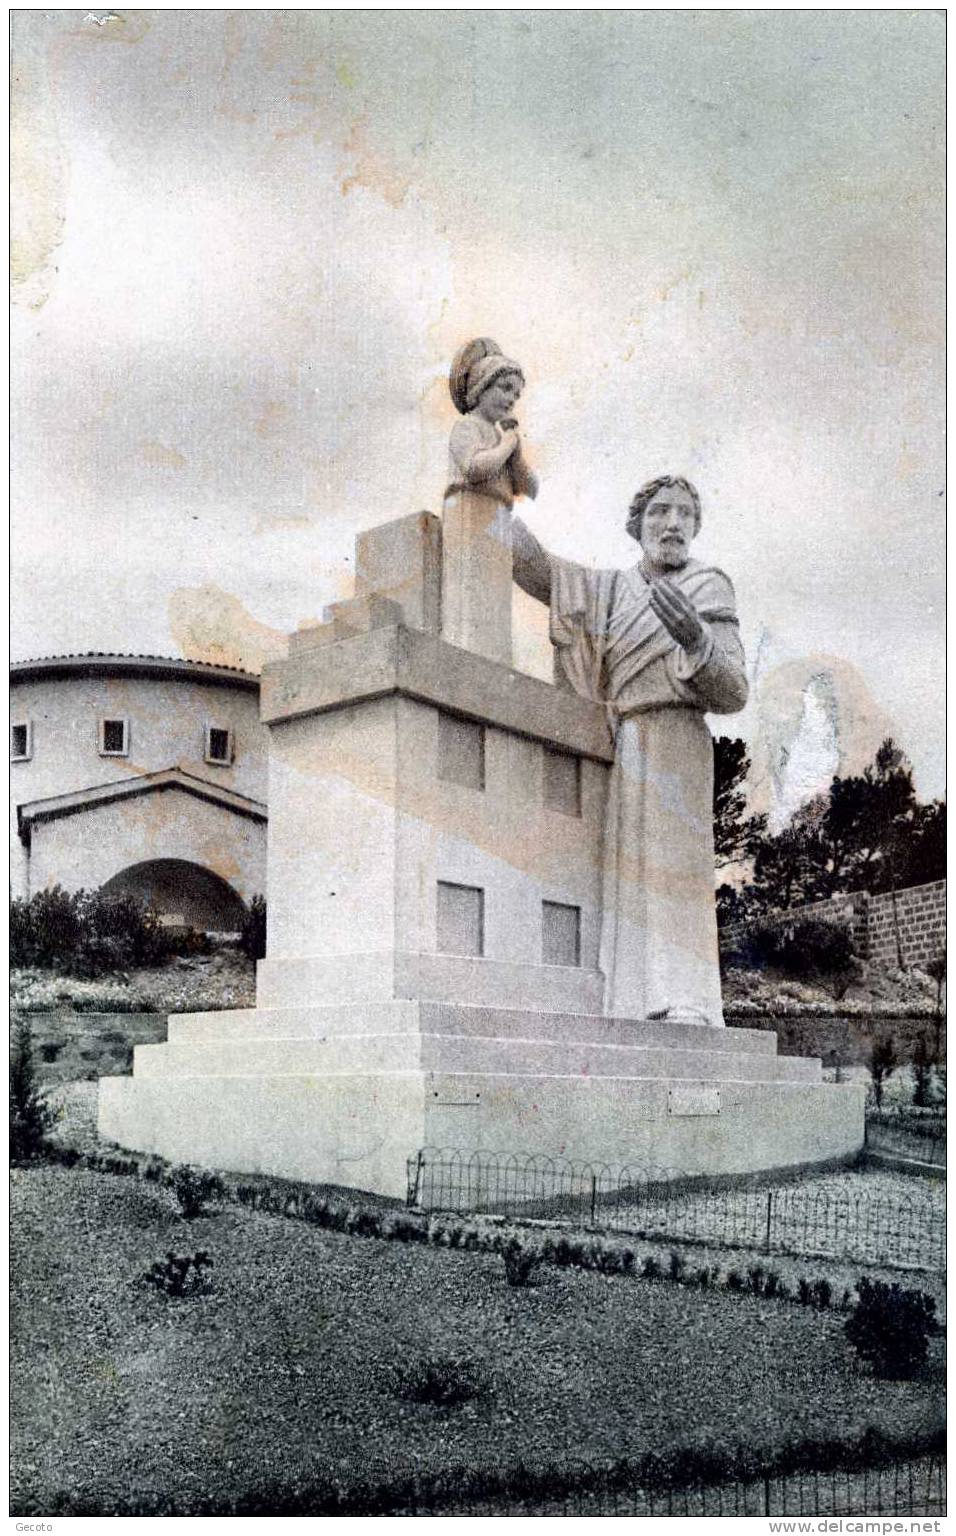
(693, 1099)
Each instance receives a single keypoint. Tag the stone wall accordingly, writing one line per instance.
(847, 1038)
(70, 1047)
(918, 914)
(920, 918)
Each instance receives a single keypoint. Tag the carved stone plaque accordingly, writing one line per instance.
(693, 1099)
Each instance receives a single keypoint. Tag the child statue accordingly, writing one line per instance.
(487, 471)
(486, 454)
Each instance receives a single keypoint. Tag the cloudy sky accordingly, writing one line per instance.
(248, 243)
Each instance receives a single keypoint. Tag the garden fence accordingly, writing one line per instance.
(920, 1141)
(660, 1203)
(910, 1488)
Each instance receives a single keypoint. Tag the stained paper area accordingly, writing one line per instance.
(246, 245)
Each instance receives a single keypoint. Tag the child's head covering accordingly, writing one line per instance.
(476, 365)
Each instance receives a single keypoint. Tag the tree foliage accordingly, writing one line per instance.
(737, 836)
(252, 937)
(868, 823)
(869, 832)
(30, 1117)
(791, 866)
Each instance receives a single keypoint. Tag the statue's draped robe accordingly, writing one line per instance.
(659, 927)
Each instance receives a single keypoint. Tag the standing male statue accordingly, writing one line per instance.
(658, 643)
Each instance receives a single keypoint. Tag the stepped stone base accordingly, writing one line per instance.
(345, 1095)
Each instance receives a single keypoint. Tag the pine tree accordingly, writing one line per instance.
(737, 836)
(30, 1119)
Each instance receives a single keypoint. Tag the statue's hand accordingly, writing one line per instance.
(508, 439)
(677, 614)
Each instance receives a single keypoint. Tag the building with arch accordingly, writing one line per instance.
(140, 774)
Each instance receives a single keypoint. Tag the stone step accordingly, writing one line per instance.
(359, 1132)
(409, 1051)
(307, 1023)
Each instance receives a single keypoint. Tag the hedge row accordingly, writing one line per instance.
(302, 1203)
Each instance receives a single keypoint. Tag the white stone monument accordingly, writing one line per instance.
(471, 902)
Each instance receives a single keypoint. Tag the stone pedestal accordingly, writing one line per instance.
(434, 886)
(346, 1094)
(476, 575)
(401, 561)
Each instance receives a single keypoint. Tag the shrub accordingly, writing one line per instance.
(882, 1062)
(562, 1252)
(676, 1265)
(890, 1328)
(193, 1187)
(520, 1262)
(922, 1074)
(735, 1281)
(812, 948)
(607, 1261)
(252, 933)
(806, 949)
(442, 1383)
(31, 1119)
(113, 1162)
(822, 1294)
(651, 1269)
(363, 1223)
(815, 1293)
(755, 948)
(44, 928)
(405, 1229)
(185, 942)
(179, 1274)
(756, 1276)
(84, 932)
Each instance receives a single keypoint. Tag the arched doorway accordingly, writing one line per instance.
(183, 894)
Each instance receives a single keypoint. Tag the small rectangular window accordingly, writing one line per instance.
(114, 738)
(219, 744)
(461, 752)
(461, 919)
(21, 741)
(562, 782)
(560, 934)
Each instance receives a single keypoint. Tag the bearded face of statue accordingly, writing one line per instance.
(668, 525)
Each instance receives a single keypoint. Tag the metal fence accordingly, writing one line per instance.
(902, 1140)
(659, 1203)
(910, 1488)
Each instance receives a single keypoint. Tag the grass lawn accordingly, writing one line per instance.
(287, 1371)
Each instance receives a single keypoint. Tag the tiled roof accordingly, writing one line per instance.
(221, 666)
(130, 662)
